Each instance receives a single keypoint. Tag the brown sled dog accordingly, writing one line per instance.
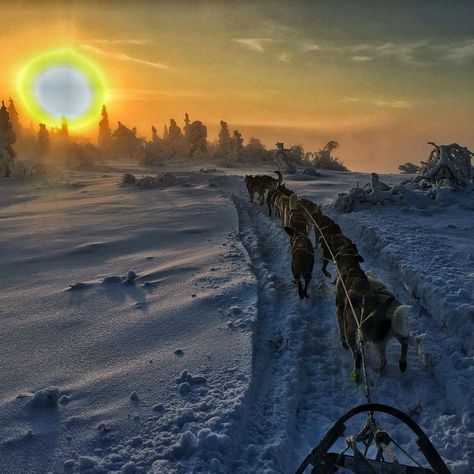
(260, 184)
(302, 260)
(381, 316)
(272, 196)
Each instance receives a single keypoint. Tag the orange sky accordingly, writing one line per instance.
(382, 81)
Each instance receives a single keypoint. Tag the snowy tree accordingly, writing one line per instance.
(450, 164)
(237, 143)
(196, 137)
(15, 121)
(187, 124)
(284, 161)
(409, 168)
(44, 141)
(255, 150)
(63, 131)
(125, 141)
(7, 140)
(154, 135)
(224, 141)
(324, 159)
(174, 132)
(105, 134)
(296, 154)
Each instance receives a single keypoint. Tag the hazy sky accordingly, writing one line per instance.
(382, 77)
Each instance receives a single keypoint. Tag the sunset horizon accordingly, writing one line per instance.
(302, 76)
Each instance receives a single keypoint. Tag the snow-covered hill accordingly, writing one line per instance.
(208, 362)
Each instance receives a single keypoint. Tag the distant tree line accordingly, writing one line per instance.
(189, 141)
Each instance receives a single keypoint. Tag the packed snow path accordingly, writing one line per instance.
(301, 375)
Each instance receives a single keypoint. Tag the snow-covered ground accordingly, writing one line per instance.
(209, 362)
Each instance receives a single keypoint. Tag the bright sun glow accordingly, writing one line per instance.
(62, 83)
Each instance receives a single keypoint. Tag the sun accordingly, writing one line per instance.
(62, 83)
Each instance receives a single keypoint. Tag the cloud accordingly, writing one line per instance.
(361, 59)
(350, 99)
(458, 53)
(104, 41)
(307, 47)
(124, 57)
(396, 104)
(151, 94)
(255, 44)
(284, 57)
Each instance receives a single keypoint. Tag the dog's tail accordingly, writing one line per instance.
(280, 177)
(400, 320)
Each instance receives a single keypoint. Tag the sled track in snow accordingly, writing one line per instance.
(300, 380)
(287, 331)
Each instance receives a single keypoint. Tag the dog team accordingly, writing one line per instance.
(362, 303)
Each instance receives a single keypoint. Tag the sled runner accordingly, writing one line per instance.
(371, 435)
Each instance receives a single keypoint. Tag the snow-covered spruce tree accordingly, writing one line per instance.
(44, 141)
(224, 141)
(154, 135)
(105, 134)
(14, 119)
(63, 131)
(237, 144)
(174, 132)
(125, 142)
(187, 124)
(7, 140)
(197, 138)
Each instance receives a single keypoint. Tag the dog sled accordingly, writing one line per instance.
(371, 450)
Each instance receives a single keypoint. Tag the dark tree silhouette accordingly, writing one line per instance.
(105, 134)
(7, 140)
(14, 119)
(154, 135)
(63, 131)
(165, 132)
(44, 141)
(125, 141)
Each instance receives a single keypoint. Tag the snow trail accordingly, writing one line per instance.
(299, 391)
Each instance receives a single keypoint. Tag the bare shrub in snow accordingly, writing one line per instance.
(161, 180)
(409, 168)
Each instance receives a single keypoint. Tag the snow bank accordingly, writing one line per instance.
(161, 180)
